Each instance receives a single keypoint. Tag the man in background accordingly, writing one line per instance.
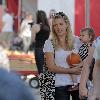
(7, 28)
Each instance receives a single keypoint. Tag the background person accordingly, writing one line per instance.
(25, 31)
(7, 28)
(51, 15)
(41, 32)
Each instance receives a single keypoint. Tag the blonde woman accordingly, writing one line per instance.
(56, 77)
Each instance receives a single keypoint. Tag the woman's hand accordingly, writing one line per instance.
(76, 70)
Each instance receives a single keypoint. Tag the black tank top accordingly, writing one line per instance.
(42, 36)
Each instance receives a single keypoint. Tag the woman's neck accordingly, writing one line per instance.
(61, 39)
(62, 42)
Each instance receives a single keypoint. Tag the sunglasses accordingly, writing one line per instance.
(60, 14)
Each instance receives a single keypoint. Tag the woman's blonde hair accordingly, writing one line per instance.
(69, 35)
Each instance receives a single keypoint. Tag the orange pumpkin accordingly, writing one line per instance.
(73, 59)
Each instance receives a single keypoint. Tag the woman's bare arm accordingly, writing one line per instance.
(56, 69)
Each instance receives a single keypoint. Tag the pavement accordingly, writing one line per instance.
(36, 94)
(35, 91)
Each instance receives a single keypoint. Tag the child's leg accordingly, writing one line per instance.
(74, 78)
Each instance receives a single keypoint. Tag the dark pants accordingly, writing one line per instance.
(84, 98)
(75, 95)
(39, 57)
(61, 93)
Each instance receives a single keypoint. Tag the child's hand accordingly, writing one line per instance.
(78, 65)
(83, 91)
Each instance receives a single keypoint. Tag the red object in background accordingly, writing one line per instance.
(27, 72)
(95, 16)
(79, 16)
(12, 5)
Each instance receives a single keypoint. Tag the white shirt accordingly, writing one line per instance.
(60, 60)
(97, 49)
(25, 29)
(8, 23)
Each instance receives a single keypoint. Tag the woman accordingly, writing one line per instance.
(56, 52)
(40, 32)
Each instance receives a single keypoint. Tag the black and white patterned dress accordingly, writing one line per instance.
(47, 83)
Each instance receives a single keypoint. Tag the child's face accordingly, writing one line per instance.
(84, 37)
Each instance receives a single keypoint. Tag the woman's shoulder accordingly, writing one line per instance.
(48, 41)
(76, 38)
(77, 41)
(48, 46)
(96, 41)
(36, 28)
